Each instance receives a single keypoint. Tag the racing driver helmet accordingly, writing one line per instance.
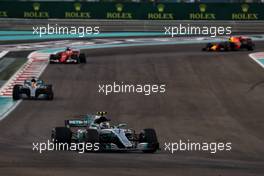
(231, 39)
(104, 125)
(33, 80)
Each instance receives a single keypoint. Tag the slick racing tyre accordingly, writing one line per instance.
(16, 92)
(92, 136)
(233, 46)
(250, 47)
(226, 46)
(207, 47)
(50, 94)
(52, 57)
(149, 136)
(82, 58)
(61, 135)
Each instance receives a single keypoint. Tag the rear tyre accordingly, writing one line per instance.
(16, 92)
(82, 58)
(61, 135)
(149, 136)
(226, 46)
(93, 138)
(250, 47)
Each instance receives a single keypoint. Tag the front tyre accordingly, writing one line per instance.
(207, 47)
(82, 58)
(16, 92)
(226, 46)
(50, 96)
(149, 136)
(50, 93)
(61, 135)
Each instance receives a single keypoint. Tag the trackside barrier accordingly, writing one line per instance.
(131, 11)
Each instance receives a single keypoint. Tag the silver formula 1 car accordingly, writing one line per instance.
(96, 129)
(33, 89)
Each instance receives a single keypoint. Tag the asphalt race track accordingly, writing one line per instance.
(209, 97)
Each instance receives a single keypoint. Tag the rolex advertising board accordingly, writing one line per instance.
(132, 11)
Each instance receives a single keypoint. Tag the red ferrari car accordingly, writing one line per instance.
(233, 44)
(68, 56)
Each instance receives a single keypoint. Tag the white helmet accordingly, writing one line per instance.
(105, 125)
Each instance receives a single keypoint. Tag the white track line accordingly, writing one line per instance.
(3, 53)
(10, 110)
(257, 56)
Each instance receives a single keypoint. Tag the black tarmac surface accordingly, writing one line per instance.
(210, 97)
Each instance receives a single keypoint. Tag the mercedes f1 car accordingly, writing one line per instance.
(96, 129)
(233, 44)
(68, 56)
(33, 89)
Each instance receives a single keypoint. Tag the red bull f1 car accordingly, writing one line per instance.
(96, 129)
(68, 56)
(233, 44)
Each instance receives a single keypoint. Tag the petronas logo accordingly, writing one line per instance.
(202, 7)
(77, 6)
(245, 8)
(161, 8)
(36, 6)
(119, 7)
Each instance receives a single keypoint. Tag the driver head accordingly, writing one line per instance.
(104, 125)
(33, 80)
